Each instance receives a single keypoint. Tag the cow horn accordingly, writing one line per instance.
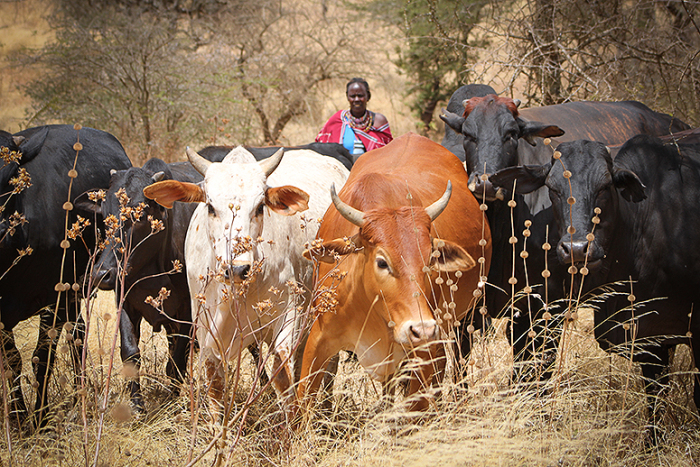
(158, 176)
(517, 103)
(18, 139)
(438, 206)
(112, 172)
(198, 162)
(353, 215)
(270, 164)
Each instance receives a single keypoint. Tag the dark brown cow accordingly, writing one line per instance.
(390, 245)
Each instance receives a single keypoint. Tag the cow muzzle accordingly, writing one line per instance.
(484, 189)
(416, 333)
(578, 253)
(238, 272)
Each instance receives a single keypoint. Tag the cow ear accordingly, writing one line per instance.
(452, 257)
(529, 130)
(286, 200)
(83, 203)
(529, 178)
(333, 250)
(31, 147)
(452, 120)
(167, 192)
(630, 186)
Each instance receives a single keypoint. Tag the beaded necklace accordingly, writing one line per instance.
(363, 123)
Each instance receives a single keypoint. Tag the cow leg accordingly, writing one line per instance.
(534, 348)
(429, 373)
(255, 352)
(317, 354)
(13, 362)
(43, 359)
(179, 345)
(696, 374)
(655, 371)
(214, 372)
(130, 332)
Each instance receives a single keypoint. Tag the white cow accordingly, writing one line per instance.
(244, 251)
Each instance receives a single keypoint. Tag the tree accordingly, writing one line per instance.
(162, 74)
(559, 50)
(439, 45)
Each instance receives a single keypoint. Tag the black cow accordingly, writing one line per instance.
(642, 211)
(334, 150)
(42, 280)
(142, 268)
(498, 135)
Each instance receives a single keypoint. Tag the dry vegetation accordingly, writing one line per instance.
(592, 413)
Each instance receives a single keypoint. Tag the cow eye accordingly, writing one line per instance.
(260, 209)
(212, 212)
(382, 264)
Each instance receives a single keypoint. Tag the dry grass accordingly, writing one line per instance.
(592, 413)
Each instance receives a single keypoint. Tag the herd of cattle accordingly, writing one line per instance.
(394, 251)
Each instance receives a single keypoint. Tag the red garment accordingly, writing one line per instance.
(334, 129)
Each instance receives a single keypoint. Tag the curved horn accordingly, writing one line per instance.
(353, 215)
(270, 164)
(438, 206)
(516, 102)
(198, 162)
(158, 176)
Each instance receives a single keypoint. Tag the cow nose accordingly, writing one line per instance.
(572, 251)
(240, 272)
(422, 332)
(105, 279)
(484, 189)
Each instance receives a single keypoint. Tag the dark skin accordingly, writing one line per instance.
(358, 98)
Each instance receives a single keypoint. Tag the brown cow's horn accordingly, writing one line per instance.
(198, 162)
(270, 164)
(438, 206)
(516, 102)
(353, 215)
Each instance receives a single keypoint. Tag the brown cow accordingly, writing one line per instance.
(380, 256)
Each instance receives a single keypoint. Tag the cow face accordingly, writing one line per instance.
(132, 243)
(492, 129)
(586, 226)
(393, 259)
(237, 200)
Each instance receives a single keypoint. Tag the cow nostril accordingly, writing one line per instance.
(240, 272)
(415, 334)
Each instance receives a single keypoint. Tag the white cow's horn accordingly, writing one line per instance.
(353, 215)
(198, 162)
(270, 164)
(438, 206)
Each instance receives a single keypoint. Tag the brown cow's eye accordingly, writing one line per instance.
(260, 209)
(382, 264)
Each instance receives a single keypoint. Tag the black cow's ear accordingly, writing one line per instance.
(452, 120)
(31, 147)
(529, 130)
(84, 204)
(630, 186)
(527, 178)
